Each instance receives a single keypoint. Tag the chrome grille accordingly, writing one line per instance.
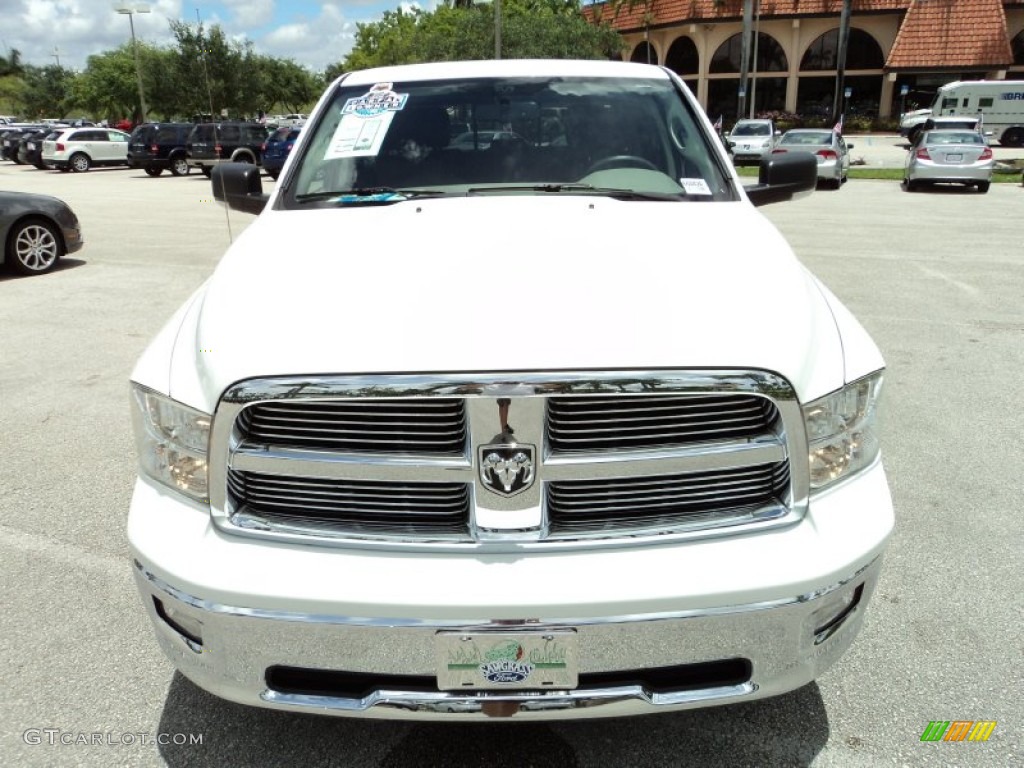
(434, 426)
(666, 501)
(654, 421)
(394, 461)
(352, 506)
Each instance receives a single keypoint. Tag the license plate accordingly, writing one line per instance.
(954, 158)
(507, 660)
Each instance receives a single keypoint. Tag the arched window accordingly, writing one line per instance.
(770, 56)
(1018, 48)
(862, 52)
(644, 54)
(682, 57)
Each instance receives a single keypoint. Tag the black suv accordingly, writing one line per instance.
(156, 146)
(210, 144)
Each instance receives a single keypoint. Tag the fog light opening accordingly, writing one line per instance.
(845, 609)
(189, 628)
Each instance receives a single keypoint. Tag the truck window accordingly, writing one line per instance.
(982, 103)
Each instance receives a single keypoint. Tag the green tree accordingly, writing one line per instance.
(48, 91)
(457, 31)
(209, 73)
(108, 87)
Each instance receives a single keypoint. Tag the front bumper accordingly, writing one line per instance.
(290, 627)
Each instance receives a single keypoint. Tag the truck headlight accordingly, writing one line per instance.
(842, 434)
(172, 441)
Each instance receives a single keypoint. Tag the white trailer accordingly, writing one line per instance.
(1000, 103)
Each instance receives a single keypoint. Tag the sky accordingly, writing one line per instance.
(313, 33)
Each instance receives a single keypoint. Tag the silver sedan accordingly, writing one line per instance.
(948, 156)
(830, 147)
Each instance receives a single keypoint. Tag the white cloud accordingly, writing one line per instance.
(250, 13)
(80, 28)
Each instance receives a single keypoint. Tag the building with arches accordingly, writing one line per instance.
(899, 51)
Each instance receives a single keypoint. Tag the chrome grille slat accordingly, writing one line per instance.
(610, 423)
(360, 503)
(628, 503)
(398, 426)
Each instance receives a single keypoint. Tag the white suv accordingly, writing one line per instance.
(79, 149)
(551, 427)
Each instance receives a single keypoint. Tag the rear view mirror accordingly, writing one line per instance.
(239, 185)
(784, 176)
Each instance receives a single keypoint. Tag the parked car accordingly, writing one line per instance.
(635, 476)
(751, 140)
(210, 144)
(292, 119)
(828, 146)
(477, 140)
(30, 147)
(949, 157)
(79, 149)
(35, 231)
(154, 147)
(277, 148)
(951, 123)
(10, 139)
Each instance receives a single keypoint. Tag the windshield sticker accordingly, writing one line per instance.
(695, 186)
(376, 101)
(365, 121)
(358, 136)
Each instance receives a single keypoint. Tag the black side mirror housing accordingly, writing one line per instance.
(784, 176)
(239, 185)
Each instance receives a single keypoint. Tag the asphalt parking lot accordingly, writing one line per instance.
(937, 279)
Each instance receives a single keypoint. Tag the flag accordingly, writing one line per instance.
(838, 127)
(718, 124)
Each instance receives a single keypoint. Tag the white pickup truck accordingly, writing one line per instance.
(555, 426)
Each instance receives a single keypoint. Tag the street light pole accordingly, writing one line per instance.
(130, 11)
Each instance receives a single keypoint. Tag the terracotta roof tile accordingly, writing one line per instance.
(934, 33)
(669, 11)
(952, 33)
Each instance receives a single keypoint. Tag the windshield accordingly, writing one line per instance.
(752, 129)
(532, 135)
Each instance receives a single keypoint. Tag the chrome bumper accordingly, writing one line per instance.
(783, 645)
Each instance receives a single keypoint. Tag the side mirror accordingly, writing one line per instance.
(784, 176)
(239, 185)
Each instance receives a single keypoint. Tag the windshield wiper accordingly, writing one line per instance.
(587, 189)
(378, 195)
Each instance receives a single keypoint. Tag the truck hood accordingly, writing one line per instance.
(506, 283)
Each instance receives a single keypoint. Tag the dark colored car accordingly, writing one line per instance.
(36, 230)
(9, 141)
(30, 147)
(277, 148)
(154, 147)
(210, 144)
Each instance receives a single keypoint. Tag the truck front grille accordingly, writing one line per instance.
(525, 460)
